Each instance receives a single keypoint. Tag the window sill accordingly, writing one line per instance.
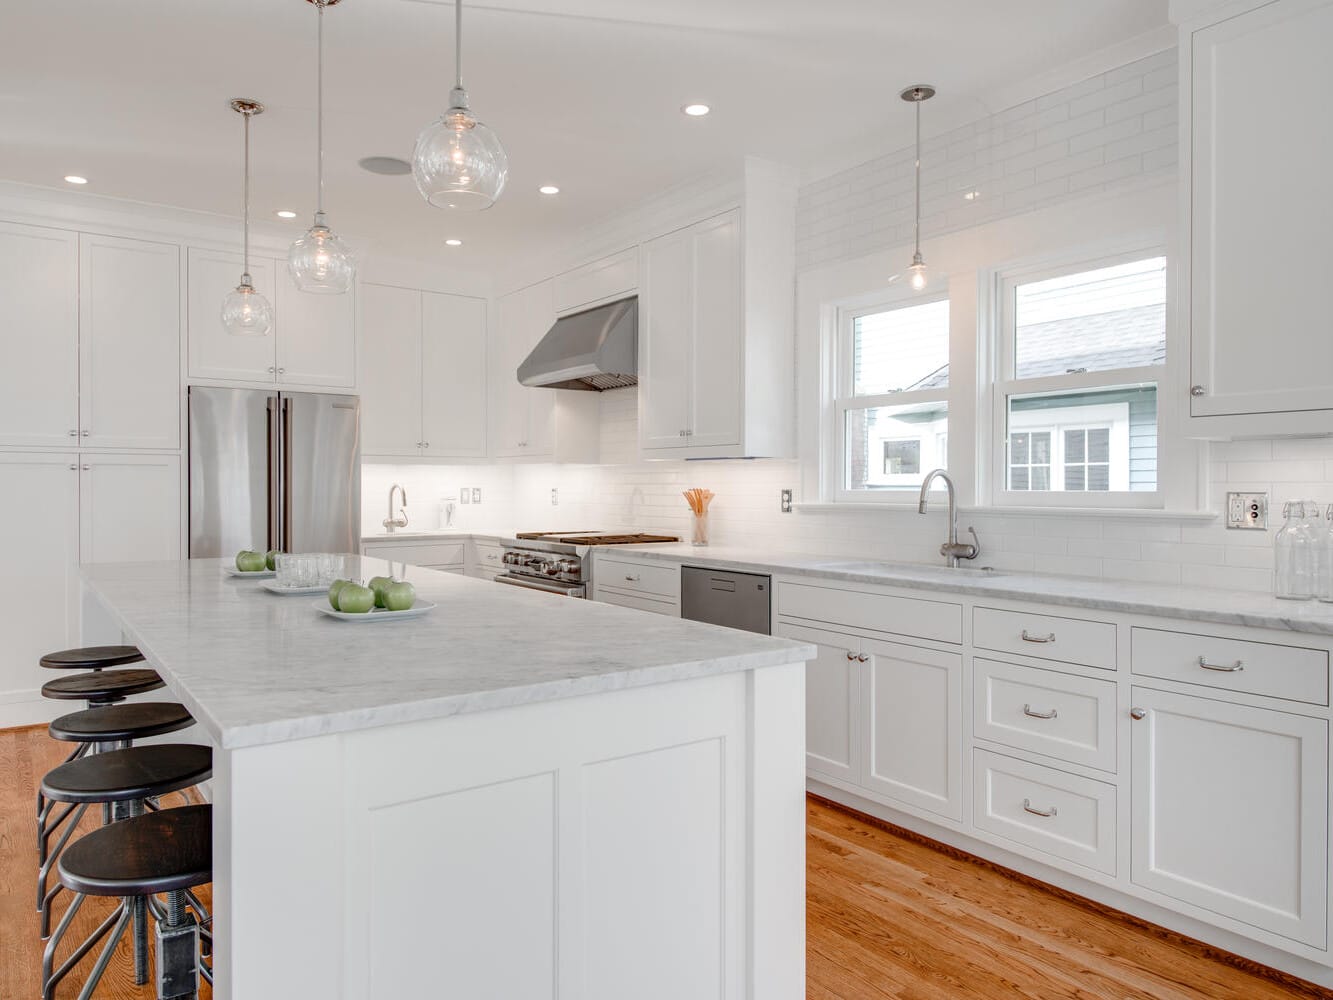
(1136, 513)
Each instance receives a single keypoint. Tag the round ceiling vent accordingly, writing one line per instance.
(389, 165)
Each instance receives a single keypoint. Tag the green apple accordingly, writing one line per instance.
(250, 562)
(378, 584)
(400, 596)
(335, 588)
(356, 599)
(271, 558)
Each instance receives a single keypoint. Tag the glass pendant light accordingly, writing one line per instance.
(246, 313)
(319, 261)
(918, 276)
(458, 161)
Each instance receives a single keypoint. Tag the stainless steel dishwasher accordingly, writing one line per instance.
(736, 600)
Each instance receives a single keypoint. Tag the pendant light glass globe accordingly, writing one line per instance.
(246, 313)
(320, 262)
(920, 277)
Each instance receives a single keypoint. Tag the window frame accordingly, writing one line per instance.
(1004, 383)
(844, 380)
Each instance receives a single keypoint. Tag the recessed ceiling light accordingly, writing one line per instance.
(389, 165)
(285, 213)
(972, 195)
(696, 110)
(453, 243)
(75, 179)
(549, 189)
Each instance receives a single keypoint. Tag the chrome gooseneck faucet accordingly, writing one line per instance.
(952, 550)
(391, 522)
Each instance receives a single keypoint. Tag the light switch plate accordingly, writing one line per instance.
(1247, 511)
(786, 501)
(555, 496)
(476, 494)
(464, 495)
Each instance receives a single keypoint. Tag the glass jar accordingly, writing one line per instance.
(1325, 591)
(1298, 548)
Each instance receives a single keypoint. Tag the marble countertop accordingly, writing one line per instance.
(254, 667)
(1224, 607)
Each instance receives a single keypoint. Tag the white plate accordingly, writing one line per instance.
(274, 587)
(258, 574)
(375, 614)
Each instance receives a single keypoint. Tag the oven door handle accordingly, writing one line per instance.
(567, 590)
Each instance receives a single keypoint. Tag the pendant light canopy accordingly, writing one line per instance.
(319, 261)
(918, 275)
(458, 161)
(246, 313)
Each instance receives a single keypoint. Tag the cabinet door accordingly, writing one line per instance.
(666, 335)
(129, 343)
(601, 281)
(317, 342)
(1260, 335)
(130, 508)
(539, 440)
(1230, 811)
(453, 375)
(915, 734)
(39, 277)
(39, 533)
(508, 407)
(391, 371)
(832, 703)
(215, 353)
(717, 387)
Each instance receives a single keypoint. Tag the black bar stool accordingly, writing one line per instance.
(126, 779)
(163, 852)
(91, 657)
(102, 687)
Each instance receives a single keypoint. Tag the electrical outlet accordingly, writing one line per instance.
(476, 494)
(786, 501)
(555, 497)
(1247, 511)
(464, 495)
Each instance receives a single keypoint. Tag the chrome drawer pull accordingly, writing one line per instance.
(1027, 710)
(851, 657)
(1050, 637)
(1234, 668)
(1028, 807)
(631, 579)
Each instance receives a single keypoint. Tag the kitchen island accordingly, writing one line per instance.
(513, 796)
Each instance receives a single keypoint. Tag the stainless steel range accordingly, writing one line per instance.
(557, 562)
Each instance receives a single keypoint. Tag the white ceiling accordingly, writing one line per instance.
(584, 93)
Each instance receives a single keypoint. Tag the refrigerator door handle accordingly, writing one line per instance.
(275, 491)
(286, 473)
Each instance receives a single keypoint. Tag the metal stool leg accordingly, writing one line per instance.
(178, 951)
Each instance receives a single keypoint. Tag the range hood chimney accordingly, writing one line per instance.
(596, 349)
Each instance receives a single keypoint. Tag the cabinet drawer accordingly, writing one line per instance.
(1292, 672)
(877, 612)
(639, 578)
(654, 605)
(490, 557)
(1045, 711)
(1062, 814)
(1046, 637)
(416, 553)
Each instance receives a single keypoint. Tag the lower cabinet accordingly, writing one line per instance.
(1230, 811)
(832, 699)
(446, 555)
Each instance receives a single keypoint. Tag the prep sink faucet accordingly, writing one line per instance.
(391, 522)
(952, 550)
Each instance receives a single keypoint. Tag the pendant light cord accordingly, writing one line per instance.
(918, 175)
(319, 115)
(245, 201)
(458, 44)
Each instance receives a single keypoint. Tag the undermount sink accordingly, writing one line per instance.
(913, 569)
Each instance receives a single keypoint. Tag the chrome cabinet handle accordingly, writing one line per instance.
(270, 369)
(862, 658)
(282, 371)
(851, 657)
(425, 444)
(1137, 713)
(1197, 390)
(1029, 807)
(84, 433)
(86, 468)
(1026, 637)
(631, 579)
(73, 434)
(75, 468)
(1027, 710)
(1221, 668)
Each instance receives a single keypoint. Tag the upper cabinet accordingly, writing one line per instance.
(554, 425)
(1256, 145)
(313, 343)
(604, 280)
(716, 329)
(423, 386)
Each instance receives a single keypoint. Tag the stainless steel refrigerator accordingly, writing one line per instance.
(274, 470)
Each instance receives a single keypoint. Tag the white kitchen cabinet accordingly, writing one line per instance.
(1230, 811)
(316, 340)
(483, 559)
(129, 507)
(39, 277)
(605, 280)
(833, 698)
(129, 343)
(423, 375)
(716, 329)
(39, 533)
(555, 425)
(214, 353)
(1259, 136)
(446, 555)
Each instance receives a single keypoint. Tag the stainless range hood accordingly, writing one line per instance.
(594, 350)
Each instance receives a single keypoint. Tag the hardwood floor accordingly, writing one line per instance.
(888, 917)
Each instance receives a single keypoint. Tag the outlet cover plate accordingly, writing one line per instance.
(465, 495)
(1247, 511)
(476, 494)
(786, 501)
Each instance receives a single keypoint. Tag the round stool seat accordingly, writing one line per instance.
(91, 657)
(152, 853)
(103, 685)
(135, 773)
(135, 721)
